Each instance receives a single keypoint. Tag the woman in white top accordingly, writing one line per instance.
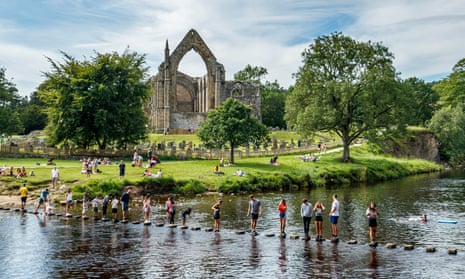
(372, 213)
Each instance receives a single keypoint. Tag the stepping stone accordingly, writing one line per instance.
(78, 217)
(104, 219)
(240, 232)
(391, 245)
(269, 234)
(195, 228)
(306, 238)
(69, 215)
(408, 247)
(116, 221)
(334, 240)
(50, 214)
(58, 214)
(160, 225)
(209, 229)
(294, 236)
(136, 222)
(124, 221)
(352, 241)
(282, 235)
(452, 251)
(172, 226)
(430, 249)
(85, 218)
(184, 227)
(147, 223)
(17, 209)
(373, 244)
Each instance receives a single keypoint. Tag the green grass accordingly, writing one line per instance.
(196, 176)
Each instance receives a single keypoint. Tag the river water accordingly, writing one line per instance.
(37, 246)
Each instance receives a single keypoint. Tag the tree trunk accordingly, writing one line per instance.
(231, 155)
(346, 145)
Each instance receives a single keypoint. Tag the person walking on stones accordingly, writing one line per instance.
(114, 208)
(125, 197)
(23, 196)
(255, 210)
(69, 202)
(171, 209)
(217, 214)
(306, 211)
(43, 199)
(85, 204)
(105, 202)
(334, 216)
(122, 169)
(319, 208)
(282, 209)
(184, 214)
(147, 208)
(372, 213)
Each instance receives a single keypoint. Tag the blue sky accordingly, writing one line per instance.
(426, 37)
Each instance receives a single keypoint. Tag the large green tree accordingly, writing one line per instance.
(273, 96)
(97, 101)
(423, 101)
(33, 113)
(448, 126)
(232, 124)
(452, 89)
(346, 87)
(9, 101)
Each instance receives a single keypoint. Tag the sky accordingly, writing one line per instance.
(427, 37)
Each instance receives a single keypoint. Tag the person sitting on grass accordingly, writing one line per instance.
(147, 173)
(217, 171)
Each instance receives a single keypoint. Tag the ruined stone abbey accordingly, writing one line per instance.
(180, 102)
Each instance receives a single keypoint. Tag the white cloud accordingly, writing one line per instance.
(425, 36)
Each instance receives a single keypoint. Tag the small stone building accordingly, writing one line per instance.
(180, 102)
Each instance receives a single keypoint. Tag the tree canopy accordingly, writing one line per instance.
(97, 101)
(9, 101)
(346, 87)
(232, 124)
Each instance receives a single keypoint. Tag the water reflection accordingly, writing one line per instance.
(59, 247)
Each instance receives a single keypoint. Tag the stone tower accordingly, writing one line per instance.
(180, 102)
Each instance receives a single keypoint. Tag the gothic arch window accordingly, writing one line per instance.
(237, 91)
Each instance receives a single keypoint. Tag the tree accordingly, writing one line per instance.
(97, 101)
(346, 87)
(33, 113)
(423, 101)
(452, 89)
(232, 123)
(273, 96)
(273, 100)
(9, 100)
(255, 73)
(448, 126)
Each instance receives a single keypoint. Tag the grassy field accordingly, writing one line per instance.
(198, 176)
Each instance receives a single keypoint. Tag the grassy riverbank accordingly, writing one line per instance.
(196, 176)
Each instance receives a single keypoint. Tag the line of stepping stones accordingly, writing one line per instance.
(429, 249)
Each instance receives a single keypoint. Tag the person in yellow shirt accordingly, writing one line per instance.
(23, 195)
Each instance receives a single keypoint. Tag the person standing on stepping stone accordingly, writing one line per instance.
(334, 216)
(105, 202)
(216, 215)
(23, 196)
(306, 211)
(69, 202)
(147, 208)
(282, 208)
(125, 202)
(372, 213)
(319, 208)
(171, 209)
(255, 210)
(43, 199)
(184, 214)
(114, 208)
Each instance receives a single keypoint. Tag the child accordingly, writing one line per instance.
(147, 208)
(319, 208)
(48, 208)
(85, 204)
(282, 208)
(95, 203)
(69, 202)
(184, 214)
(217, 215)
(114, 208)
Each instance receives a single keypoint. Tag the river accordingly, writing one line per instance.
(37, 246)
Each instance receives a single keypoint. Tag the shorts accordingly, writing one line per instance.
(23, 199)
(125, 205)
(372, 222)
(216, 215)
(114, 210)
(254, 216)
(95, 209)
(334, 219)
(41, 200)
(147, 209)
(84, 210)
(318, 218)
(69, 202)
(282, 215)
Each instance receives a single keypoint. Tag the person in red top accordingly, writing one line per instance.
(282, 208)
